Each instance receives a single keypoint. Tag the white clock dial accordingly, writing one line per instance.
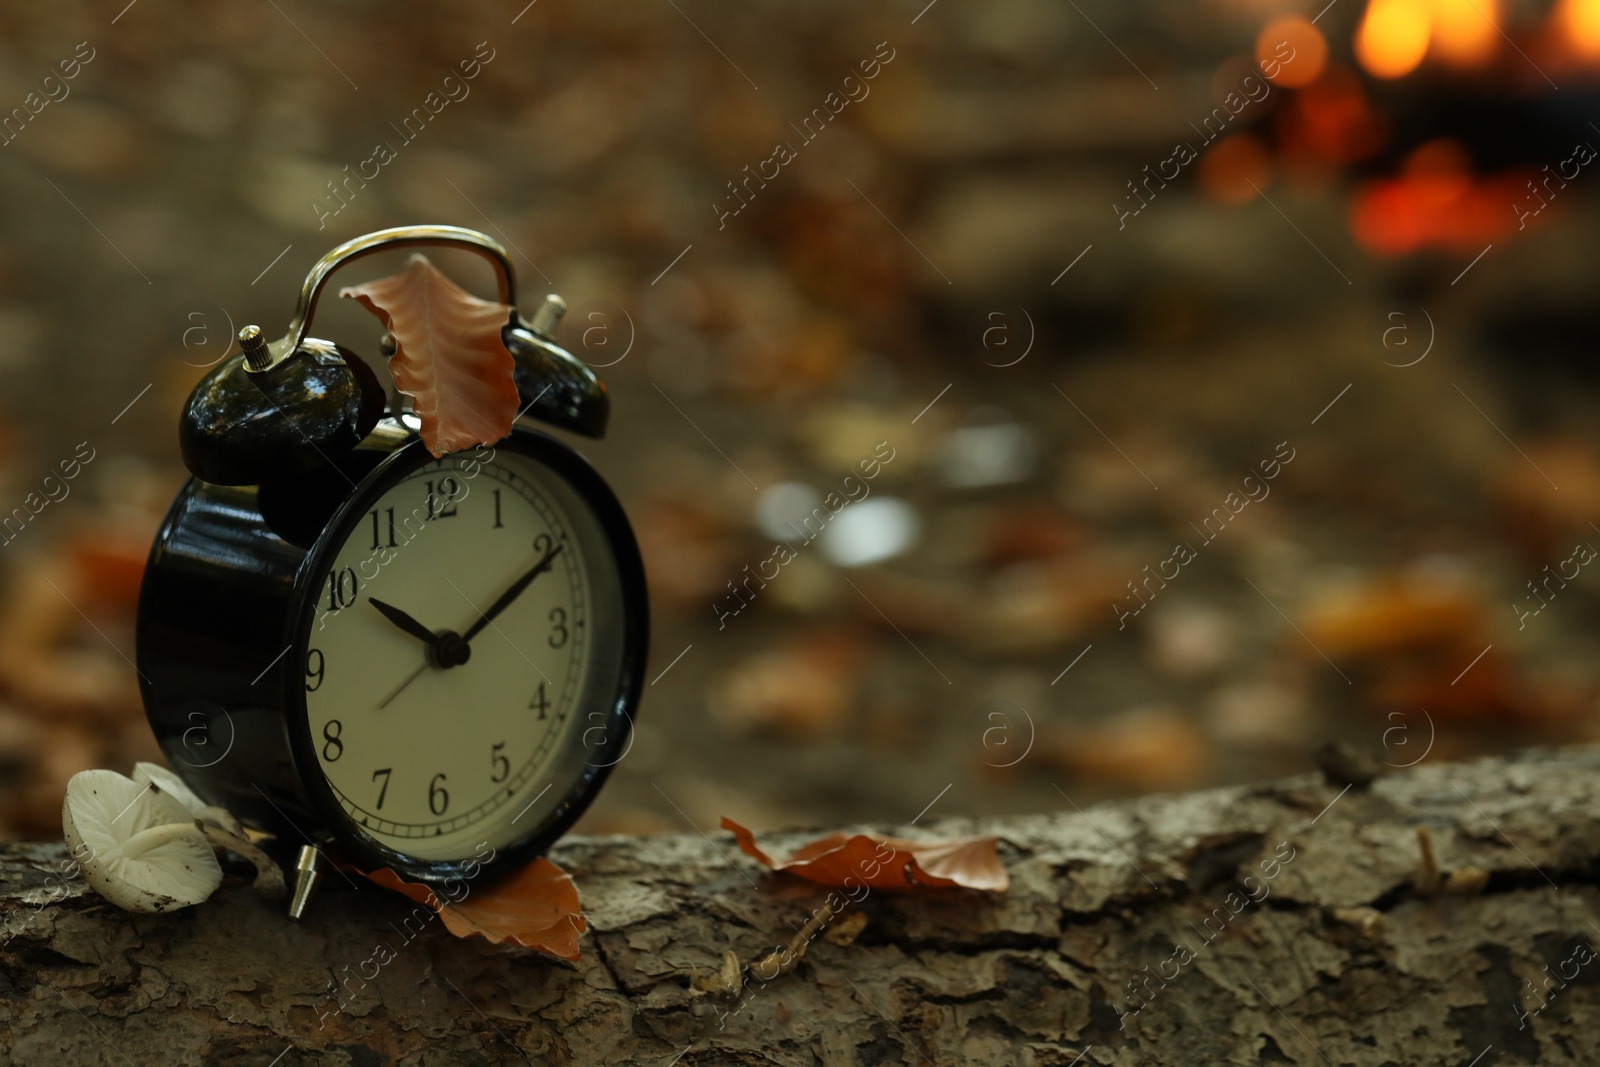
(429, 756)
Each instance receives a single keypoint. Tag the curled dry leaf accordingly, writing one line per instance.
(536, 907)
(449, 357)
(887, 862)
(727, 981)
(846, 930)
(269, 876)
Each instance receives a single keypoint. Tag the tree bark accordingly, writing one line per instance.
(1282, 923)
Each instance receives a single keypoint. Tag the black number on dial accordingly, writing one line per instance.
(377, 541)
(558, 627)
(497, 523)
(438, 797)
(498, 760)
(449, 489)
(342, 586)
(314, 665)
(384, 790)
(332, 747)
(540, 701)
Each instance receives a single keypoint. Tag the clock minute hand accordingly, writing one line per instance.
(404, 621)
(511, 594)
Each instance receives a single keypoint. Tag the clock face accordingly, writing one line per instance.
(462, 653)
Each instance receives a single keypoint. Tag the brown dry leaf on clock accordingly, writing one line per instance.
(887, 862)
(535, 907)
(449, 357)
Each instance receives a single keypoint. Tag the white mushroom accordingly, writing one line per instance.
(175, 787)
(138, 847)
(217, 824)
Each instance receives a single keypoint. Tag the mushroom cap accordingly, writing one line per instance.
(103, 810)
(175, 787)
(169, 783)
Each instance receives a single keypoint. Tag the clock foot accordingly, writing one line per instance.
(308, 872)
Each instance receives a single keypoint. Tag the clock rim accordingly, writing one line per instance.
(566, 463)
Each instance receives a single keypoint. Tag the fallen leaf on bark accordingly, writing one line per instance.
(536, 907)
(449, 357)
(887, 862)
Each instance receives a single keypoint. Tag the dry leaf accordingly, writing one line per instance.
(844, 932)
(726, 981)
(887, 862)
(449, 357)
(535, 907)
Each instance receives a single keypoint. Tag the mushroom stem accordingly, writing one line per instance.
(154, 837)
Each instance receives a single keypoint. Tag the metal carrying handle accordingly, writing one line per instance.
(383, 240)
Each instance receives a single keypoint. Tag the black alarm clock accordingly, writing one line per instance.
(423, 663)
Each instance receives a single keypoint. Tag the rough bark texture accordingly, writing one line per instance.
(1342, 961)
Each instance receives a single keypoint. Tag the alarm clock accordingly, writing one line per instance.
(423, 663)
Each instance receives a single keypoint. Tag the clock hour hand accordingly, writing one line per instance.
(511, 594)
(404, 621)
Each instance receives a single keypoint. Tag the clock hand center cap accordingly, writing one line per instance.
(449, 649)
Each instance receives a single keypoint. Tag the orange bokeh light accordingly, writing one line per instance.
(1441, 158)
(1329, 122)
(1435, 201)
(1579, 21)
(1393, 37)
(1296, 38)
(1228, 169)
(1466, 32)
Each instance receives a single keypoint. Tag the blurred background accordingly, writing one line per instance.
(1305, 290)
